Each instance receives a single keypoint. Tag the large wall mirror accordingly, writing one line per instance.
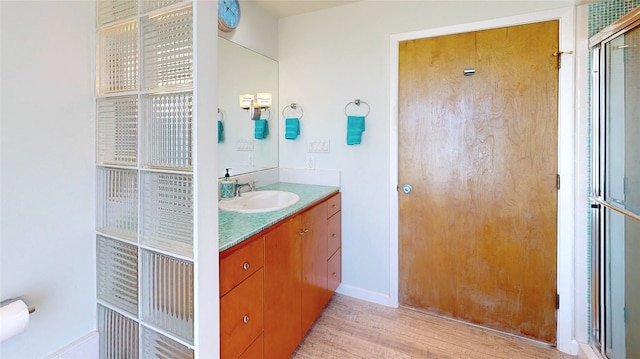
(242, 71)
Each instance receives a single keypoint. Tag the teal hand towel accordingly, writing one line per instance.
(355, 128)
(220, 131)
(261, 129)
(291, 128)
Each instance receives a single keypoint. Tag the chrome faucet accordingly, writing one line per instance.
(238, 186)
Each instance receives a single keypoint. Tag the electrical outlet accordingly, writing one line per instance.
(311, 162)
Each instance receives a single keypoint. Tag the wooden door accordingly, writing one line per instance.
(314, 264)
(478, 231)
(282, 290)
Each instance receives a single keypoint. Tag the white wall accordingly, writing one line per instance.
(47, 182)
(329, 58)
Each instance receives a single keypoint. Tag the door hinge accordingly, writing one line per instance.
(557, 301)
(558, 55)
(558, 181)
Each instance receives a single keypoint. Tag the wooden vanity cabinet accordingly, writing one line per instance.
(299, 272)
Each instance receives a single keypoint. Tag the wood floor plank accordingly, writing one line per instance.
(352, 328)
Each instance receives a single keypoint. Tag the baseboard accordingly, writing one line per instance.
(585, 351)
(365, 294)
(83, 348)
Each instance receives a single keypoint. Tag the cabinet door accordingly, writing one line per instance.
(314, 264)
(282, 289)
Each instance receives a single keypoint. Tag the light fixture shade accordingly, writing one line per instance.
(264, 100)
(246, 101)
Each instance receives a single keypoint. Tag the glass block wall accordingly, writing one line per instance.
(601, 15)
(144, 178)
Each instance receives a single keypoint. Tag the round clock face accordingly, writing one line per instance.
(228, 14)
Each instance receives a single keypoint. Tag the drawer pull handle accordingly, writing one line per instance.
(245, 266)
(245, 319)
(306, 230)
(301, 233)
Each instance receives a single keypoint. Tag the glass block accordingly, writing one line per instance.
(117, 272)
(118, 335)
(151, 5)
(156, 345)
(167, 212)
(167, 138)
(117, 58)
(117, 134)
(167, 49)
(113, 10)
(167, 294)
(117, 202)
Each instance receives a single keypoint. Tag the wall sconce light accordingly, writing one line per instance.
(264, 100)
(246, 101)
(255, 106)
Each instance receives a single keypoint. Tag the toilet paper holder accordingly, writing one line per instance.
(31, 307)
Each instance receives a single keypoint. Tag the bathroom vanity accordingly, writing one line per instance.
(277, 272)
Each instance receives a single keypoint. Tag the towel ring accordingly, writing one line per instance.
(357, 102)
(293, 106)
(268, 115)
(220, 116)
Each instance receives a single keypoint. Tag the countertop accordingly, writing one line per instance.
(236, 227)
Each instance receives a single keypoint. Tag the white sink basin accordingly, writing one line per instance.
(259, 201)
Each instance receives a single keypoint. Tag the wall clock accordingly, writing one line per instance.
(228, 14)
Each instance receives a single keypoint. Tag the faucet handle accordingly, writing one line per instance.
(252, 184)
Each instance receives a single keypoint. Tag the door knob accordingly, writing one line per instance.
(407, 188)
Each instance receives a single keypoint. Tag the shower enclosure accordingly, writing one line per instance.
(615, 197)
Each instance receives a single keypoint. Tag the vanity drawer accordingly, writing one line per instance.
(334, 272)
(334, 230)
(240, 263)
(242, 316)
(333, 205)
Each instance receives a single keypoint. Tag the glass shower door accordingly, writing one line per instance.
(616, 189)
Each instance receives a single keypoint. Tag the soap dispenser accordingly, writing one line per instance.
(226, 186)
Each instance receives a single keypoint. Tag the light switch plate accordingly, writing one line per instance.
(244, 145)
(318, 146)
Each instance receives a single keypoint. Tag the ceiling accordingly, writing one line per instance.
(284, 8)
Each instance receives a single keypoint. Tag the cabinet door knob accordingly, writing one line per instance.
(245, 266)
(301, 233)
(333, 205)
(335, 274)
(245, 319)
(334, 235)
(306, 230)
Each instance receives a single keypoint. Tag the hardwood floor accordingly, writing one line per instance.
(352, 328)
